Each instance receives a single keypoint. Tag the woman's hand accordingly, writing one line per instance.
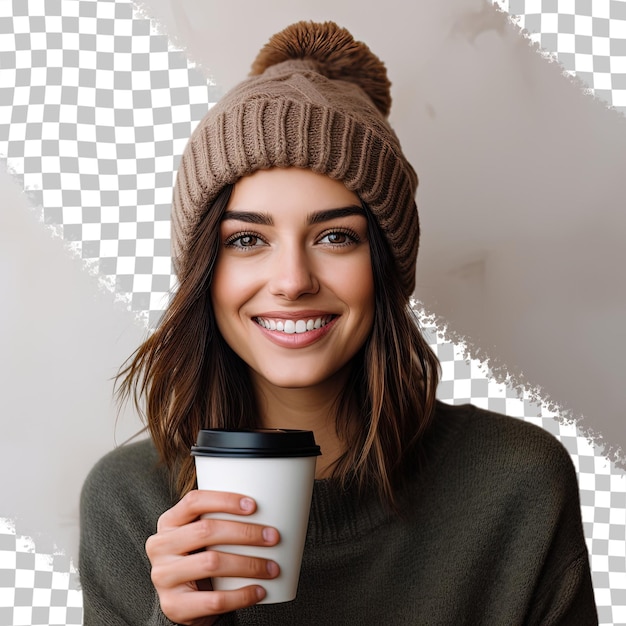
(181, 565)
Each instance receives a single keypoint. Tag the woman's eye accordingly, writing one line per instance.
(244, 241)
(338, 238)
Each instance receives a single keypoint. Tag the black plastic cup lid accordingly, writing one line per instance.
(259, 443)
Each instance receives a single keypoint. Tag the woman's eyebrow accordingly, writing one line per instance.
(332, 214)
(248, 216)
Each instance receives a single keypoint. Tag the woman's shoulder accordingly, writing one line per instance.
(484, 442)
(130, 473)
(488, 429)
(136, 458)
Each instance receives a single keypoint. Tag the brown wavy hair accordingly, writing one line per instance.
(189, 378)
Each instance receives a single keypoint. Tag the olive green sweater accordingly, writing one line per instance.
(490, 533)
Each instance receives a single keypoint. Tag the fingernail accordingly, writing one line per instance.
(260, 593)
(269, 535)
(246, 504)
(272, 568)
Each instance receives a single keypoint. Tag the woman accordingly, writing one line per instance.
(295, 235)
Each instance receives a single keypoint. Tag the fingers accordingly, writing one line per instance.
(198, 502)
(205, 603)
(210, 564)
(204, 533)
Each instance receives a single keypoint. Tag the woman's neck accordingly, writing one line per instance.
(310, 408)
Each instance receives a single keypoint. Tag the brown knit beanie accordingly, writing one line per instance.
(315, 99)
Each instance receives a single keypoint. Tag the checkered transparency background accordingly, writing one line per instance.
(587, 37)
(95, 109)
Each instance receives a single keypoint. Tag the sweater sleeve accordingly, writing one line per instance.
(118, 511)
(569, 599)
(564, 594)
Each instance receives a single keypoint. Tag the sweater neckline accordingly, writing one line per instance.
(339, 514)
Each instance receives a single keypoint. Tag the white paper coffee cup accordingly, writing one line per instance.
(277, 469)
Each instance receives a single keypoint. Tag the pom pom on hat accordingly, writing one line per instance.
(336, 53)
(316, 99)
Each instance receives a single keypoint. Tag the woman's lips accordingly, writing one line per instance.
(295, 332)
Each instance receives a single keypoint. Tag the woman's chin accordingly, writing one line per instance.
(292, 382)
(290, 379)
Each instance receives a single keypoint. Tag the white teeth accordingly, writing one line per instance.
(290, 326)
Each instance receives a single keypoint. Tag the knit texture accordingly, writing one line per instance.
(317, 100)
(490, 533)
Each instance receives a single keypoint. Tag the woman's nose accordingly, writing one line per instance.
(292, 274)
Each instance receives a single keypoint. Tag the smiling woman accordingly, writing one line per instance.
(307, 262)
(295, 235)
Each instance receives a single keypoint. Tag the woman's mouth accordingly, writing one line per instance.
(294, 326)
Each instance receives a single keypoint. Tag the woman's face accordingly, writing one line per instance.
(293, 291)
